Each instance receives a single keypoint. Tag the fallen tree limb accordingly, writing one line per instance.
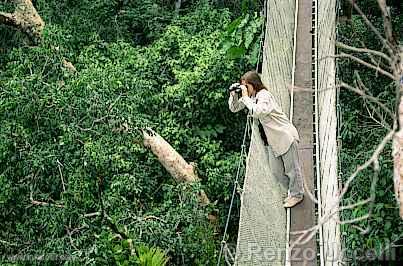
(25, 18)
(172, 161)
(41, 203)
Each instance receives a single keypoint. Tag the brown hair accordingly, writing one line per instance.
(253, 78)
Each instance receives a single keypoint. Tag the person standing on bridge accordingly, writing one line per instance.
(280, 133)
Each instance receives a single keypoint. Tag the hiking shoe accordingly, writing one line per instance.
(292, 201)
(287, 196)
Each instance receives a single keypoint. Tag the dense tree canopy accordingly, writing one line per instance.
(70, 110)
(75, 180)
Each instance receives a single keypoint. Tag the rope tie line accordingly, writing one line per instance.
(235, 189)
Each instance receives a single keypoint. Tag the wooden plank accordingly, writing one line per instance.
(303, 215)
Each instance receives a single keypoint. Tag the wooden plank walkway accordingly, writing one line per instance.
(303, 215)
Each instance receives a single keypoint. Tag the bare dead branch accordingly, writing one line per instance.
(352, 206)
(41, 203)
(70, 234)
(369, 97)
(61, 174)
(359, 228)
(305, 237)
(315, 228)
(363, 50)
(310, 195)
(307, 234)
(379, 62)
(172, 161)
(387, 25)
(152, 217)
(372, 160)
(372, 112)
(358, 219)
(87, 215)
(298, 232)
(364, 63)
(372, 27)
(377, 101)
(8, 243)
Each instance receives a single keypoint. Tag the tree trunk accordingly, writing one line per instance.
(172, 161)
(347, 8)
(396, 54)
(398, 141)
(25, 18)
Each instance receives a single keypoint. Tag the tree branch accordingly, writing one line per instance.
(172, 161)
(363, 50)
(362, 62)
(369, 97)
(387, 25)
(371, 26)
(309, 233)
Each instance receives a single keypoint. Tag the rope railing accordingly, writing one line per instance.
(235, 187)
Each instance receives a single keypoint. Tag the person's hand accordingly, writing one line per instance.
(244, 91)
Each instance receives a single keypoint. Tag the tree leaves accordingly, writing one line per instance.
(236, 52)
(233, 25)
(241, 38)
(175, 82)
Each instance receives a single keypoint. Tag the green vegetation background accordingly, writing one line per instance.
(363, 126)
(141, 64)
(138, 64)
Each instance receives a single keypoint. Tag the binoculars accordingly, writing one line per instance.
(235, 87)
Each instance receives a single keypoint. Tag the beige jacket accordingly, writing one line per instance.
(280, 132)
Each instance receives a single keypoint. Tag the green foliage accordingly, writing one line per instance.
(243, 36)
(125, 254)
(7, 6)
(71, 139)
(151, 256)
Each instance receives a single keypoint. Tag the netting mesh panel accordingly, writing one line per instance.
(262, 227)
(328, 126)
(278, 50)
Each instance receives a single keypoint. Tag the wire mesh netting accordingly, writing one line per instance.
(262, 228)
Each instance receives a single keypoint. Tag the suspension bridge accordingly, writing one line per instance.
(298, 67)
